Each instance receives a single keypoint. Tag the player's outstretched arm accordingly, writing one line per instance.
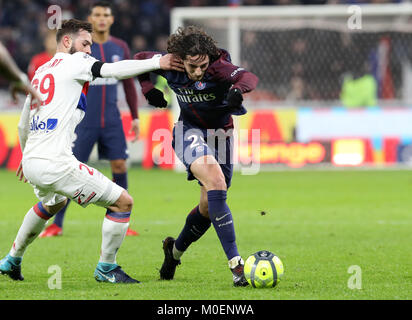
(130, 68)
(171, 61)
(8, 67)
(19, 80)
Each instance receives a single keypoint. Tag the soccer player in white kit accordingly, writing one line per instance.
(46, 133)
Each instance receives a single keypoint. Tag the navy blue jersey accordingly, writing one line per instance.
(203, 103)
(102, 110)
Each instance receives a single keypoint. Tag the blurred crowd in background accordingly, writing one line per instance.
(145, 25)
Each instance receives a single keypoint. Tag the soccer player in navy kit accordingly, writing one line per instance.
(102, 123)
(209, 92)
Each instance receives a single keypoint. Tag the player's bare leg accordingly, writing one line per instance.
(32, 225)
(119, 174)
(203, 206)
(115, 225)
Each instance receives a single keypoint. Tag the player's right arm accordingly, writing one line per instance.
(23, 132)
(24, 124)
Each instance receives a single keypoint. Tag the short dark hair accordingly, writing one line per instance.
(192, 41)
(104, 4)
(72, 26)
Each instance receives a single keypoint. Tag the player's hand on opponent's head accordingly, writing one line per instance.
(155, 98)
(19, 173)
(171, 62)
(234, 99)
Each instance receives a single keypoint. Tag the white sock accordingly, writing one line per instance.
(235, 261)
(31, 227)
(113, 234)
(177, 253)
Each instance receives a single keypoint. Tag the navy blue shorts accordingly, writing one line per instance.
(111, 143)
(190, 143)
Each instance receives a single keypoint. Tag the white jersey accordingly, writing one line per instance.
(47, 132)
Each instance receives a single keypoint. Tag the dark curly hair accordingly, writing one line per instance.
(72, 26)
(192, 41)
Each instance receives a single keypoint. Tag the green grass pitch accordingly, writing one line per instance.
(320, 223)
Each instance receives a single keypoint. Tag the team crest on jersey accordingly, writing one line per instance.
(200, 85)
(115, 58)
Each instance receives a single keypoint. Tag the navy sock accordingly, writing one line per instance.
(120, 179)
(196, 225)
(222, 220)
(58, 219)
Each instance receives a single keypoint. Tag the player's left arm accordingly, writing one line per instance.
(246, 83)
(242, 81)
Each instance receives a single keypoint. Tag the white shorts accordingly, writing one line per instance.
(54, 181)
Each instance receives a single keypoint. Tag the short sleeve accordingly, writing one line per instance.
(82, 66)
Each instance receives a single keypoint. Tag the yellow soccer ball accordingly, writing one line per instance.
(263, 269)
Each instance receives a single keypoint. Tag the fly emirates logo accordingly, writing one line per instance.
(189, 96)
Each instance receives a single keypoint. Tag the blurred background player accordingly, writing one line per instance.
(45, 56)
(102, 123)
(209, 92)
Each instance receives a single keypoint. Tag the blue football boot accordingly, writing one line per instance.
(12, 267)
(112, 273)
